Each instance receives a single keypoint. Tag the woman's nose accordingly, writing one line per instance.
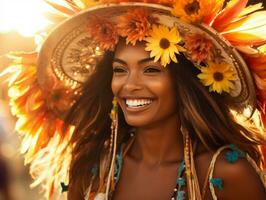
(133, 82)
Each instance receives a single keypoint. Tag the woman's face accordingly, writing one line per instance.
(143, 88)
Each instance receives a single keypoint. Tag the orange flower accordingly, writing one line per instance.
(135, 25)
(196, 10)
(187, 10)
(199, 48)
(103, 32)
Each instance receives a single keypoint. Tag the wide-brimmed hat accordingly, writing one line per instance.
(70, 53)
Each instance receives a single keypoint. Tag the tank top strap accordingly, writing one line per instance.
(210, 171)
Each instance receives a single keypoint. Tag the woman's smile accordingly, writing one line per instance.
(137, 104)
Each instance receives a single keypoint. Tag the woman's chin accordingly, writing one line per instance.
(137, 121)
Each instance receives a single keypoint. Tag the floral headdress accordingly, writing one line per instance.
(226, 42)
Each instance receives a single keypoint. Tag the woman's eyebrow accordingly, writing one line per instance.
(145, 60)
(139, 62)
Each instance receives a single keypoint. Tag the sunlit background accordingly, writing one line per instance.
(24, 16)
(19, 20)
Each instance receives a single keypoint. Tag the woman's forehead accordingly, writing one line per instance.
(129, 52)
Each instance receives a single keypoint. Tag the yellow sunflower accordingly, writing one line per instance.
(162, 44)
(218, 76)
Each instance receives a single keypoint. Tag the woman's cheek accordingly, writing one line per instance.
(114, 86)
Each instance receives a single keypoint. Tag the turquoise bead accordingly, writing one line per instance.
(217, 182)
(181, 181)
(180, 195)
(234, 154)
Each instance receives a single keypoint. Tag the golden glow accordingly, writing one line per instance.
(26, 17)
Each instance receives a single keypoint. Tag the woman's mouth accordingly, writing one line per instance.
(136, 103)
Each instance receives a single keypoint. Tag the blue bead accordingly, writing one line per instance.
(180, 195)
(231, 156)
(234, 154)
(181, 168)
(217, 182)
(181, 181)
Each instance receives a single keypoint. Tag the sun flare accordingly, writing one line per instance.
(25, 17)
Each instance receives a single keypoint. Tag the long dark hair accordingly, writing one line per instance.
(204, 114)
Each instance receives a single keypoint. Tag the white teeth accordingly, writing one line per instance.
(138, 102)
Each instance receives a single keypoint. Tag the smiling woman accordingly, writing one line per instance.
(161, 106)
(148, 101)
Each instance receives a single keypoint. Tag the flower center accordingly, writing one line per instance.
(218, 76)
(164, 43)
(192, 8)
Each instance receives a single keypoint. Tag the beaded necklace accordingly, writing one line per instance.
(178, 192)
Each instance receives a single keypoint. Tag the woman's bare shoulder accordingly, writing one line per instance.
(238, 177)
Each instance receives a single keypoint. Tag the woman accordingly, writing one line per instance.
(171, 137)
(154, 100)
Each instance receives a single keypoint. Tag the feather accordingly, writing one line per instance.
(261, 83)
(54, 17)
(248, 23)
(60, 8)
(249, 50)
(50, 165)
(228, 14)
(20, 57)
(73, 5)
(30, 124)
(250, 9)
(32, 146)
(215, 7)
(262, 49)
(255, 60)
(83, 4)
(256, 36)
(80, 3)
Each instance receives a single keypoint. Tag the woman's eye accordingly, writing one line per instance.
(152, 70)
(118, 70)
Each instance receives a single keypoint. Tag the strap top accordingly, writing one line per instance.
(217, 182)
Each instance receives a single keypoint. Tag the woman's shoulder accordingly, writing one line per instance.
(232, 175)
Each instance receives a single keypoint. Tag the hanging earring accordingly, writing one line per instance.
(113, 147)
(114, 111)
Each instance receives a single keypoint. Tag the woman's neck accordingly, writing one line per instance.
(159, 144)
